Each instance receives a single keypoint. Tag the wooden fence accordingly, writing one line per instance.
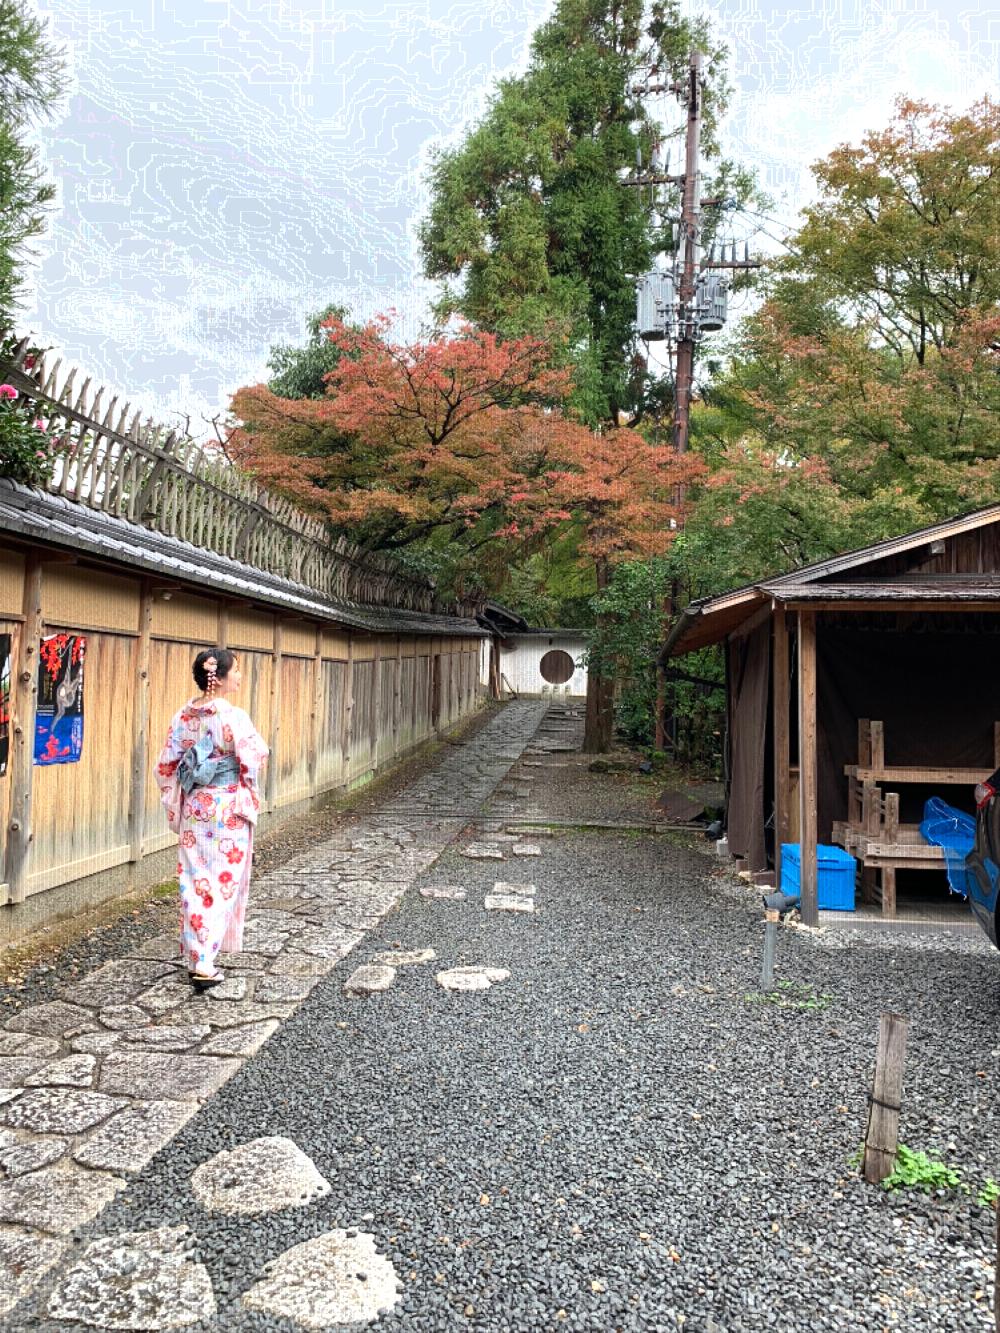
(334, 705)
(108, 458)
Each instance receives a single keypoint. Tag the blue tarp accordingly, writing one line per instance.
(955, 832)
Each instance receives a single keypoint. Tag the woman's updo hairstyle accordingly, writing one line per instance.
(211, 666)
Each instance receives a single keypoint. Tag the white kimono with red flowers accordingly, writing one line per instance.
(215, 825)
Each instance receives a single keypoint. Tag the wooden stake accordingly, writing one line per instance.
(882, 1135)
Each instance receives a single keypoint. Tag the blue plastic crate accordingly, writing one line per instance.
(837, 870)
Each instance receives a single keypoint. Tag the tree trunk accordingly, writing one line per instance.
(600, 693)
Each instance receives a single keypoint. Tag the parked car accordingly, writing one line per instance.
(983, 862)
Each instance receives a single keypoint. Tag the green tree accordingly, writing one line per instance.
(31, 81)
(532, 224)
(300, 372)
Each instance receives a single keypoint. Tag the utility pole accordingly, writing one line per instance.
(687, 322)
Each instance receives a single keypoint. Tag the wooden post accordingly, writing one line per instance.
(782, 754)
(376, 703)
(348, 707)
(888, 890)
(882, 1134)
(397, 674)
(222, 632)
(807, 767)
(140, 727)
(274, 739)
(22, 747)
(316, 712)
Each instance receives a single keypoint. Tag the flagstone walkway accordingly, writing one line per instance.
(94, 1083)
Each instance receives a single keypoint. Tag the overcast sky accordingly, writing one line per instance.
(226, 168)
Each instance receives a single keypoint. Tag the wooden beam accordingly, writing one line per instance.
(316, 712)
(782, 740)
(348, 708)
(222, 632)
(807, 767)
(939, 606)
(140, 726)
(274, 739)
(397, 695)
(376, 702)
(22, 740)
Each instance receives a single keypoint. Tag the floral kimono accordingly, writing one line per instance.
(215, 824)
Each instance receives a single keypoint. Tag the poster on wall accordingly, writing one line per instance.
(59, 712)
(4, 702)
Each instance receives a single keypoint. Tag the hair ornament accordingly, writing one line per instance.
(211, 670)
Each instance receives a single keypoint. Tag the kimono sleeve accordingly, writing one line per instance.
(166, 775)
(252, 752)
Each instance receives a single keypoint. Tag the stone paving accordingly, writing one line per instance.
(95, 1083)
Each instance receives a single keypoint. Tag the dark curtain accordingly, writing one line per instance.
(749, 673)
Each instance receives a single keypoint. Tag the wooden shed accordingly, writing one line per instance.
(857, 687)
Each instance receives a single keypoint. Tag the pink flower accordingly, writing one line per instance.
(8, 391)
(38, 423)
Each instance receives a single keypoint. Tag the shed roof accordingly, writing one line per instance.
(710, 619)
(53, 520)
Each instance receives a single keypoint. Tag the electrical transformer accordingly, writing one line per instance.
(712, 302)
(655, 305)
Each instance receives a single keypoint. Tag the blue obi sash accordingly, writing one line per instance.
(197, 768)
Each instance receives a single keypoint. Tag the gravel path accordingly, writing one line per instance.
(618, 1136)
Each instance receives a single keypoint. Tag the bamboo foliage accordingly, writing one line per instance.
(109, 459)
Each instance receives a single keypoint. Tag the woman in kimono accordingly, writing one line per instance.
(208, 775)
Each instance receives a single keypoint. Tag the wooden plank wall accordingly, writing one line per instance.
(338, 705)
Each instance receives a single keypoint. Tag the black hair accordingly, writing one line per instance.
(224, 664)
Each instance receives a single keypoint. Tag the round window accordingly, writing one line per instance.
(556, 667)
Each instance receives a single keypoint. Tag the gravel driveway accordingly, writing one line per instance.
(620, 1135)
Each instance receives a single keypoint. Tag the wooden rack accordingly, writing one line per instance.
(872, 831)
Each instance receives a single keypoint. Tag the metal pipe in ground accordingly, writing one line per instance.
(770, 942)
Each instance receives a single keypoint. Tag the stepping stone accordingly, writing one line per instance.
(16, 1069)
(136, 1280)
(334, 1279)
(95, 1043)
(75, 1071)
(165, 994)
(262, 1176)
(233, 988)
(283, 990)
(508, 902)
(115, 982)
(295, 964)
(17, 1157)
(24, 1044)
(244, 962)
(481, 851)
(526, 849)
(403, 957)
(243, 1041)
(134, 1137)
(169, 1037)
(232, 1013)
(514, 890)
(120, 1016)
(53, 1019)
(25, 1258)
(450, 891)
(369, 980)
(60, 1110)
(331, 942)
(155, 1075)
(58, 1198)
(471, 978)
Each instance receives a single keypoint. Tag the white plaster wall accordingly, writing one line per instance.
(520, 655)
